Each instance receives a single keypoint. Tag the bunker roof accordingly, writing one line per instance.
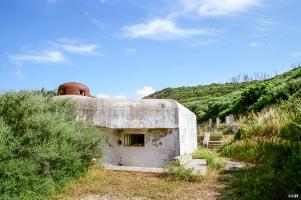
(124, 113)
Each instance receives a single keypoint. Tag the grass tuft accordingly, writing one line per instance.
(214, 161)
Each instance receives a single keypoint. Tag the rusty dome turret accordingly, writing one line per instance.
(73, 88)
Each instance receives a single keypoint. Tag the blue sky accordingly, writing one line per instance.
(132, 47)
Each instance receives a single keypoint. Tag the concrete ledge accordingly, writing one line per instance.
(199, 166)
(133, 169)
(183, 159)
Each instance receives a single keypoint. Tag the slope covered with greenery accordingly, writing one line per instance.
(42, 147)
(237, 98)
(269, 135)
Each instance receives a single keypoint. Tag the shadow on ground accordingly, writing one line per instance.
(228, 184)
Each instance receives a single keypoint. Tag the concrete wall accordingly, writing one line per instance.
(187, 130)
(161, 146)
(120, 113)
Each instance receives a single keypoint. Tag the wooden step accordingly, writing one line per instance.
(214, 142)
(215, 138)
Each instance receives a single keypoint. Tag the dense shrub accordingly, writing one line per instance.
(42, 147)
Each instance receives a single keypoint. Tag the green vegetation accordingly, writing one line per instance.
(271, 140)
(236, 98)
(214, 160)
(269, 135)
(177, 172)
(42, 147)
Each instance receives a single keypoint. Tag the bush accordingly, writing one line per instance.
(42, 147)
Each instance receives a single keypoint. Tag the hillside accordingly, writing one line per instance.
(237, 98)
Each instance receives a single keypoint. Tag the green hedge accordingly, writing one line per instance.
(42, 147)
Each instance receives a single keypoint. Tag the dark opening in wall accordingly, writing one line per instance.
(134, 140)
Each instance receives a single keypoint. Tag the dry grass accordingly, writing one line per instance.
(102, 184)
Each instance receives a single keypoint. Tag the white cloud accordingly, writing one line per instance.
(254, 44)
(74, 46)
(268, 22)
(130, 51)
(296, 54)
(145, 91)
(106, 96)
(160, 29)
(39, 57)
(218, 7)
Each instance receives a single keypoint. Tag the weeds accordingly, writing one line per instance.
(214, 161)
(176, 171)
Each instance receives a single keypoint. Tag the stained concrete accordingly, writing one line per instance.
(169, 128)
(161, 146)
(199, 166)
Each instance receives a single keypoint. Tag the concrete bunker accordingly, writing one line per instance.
(140, 133)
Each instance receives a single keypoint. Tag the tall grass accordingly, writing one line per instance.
(214, 161)
(271, 140)
(42, 147)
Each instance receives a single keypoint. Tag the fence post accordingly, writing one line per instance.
(210, 123)
(227, 120)
(217, 123)
(231, 116)
(206, 139)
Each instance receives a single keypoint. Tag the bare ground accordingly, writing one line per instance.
(101, 184)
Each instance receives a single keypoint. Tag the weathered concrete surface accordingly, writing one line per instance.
(199, 166)
(161, 146)
(169, 128)
(123, 113)
(188, 130)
